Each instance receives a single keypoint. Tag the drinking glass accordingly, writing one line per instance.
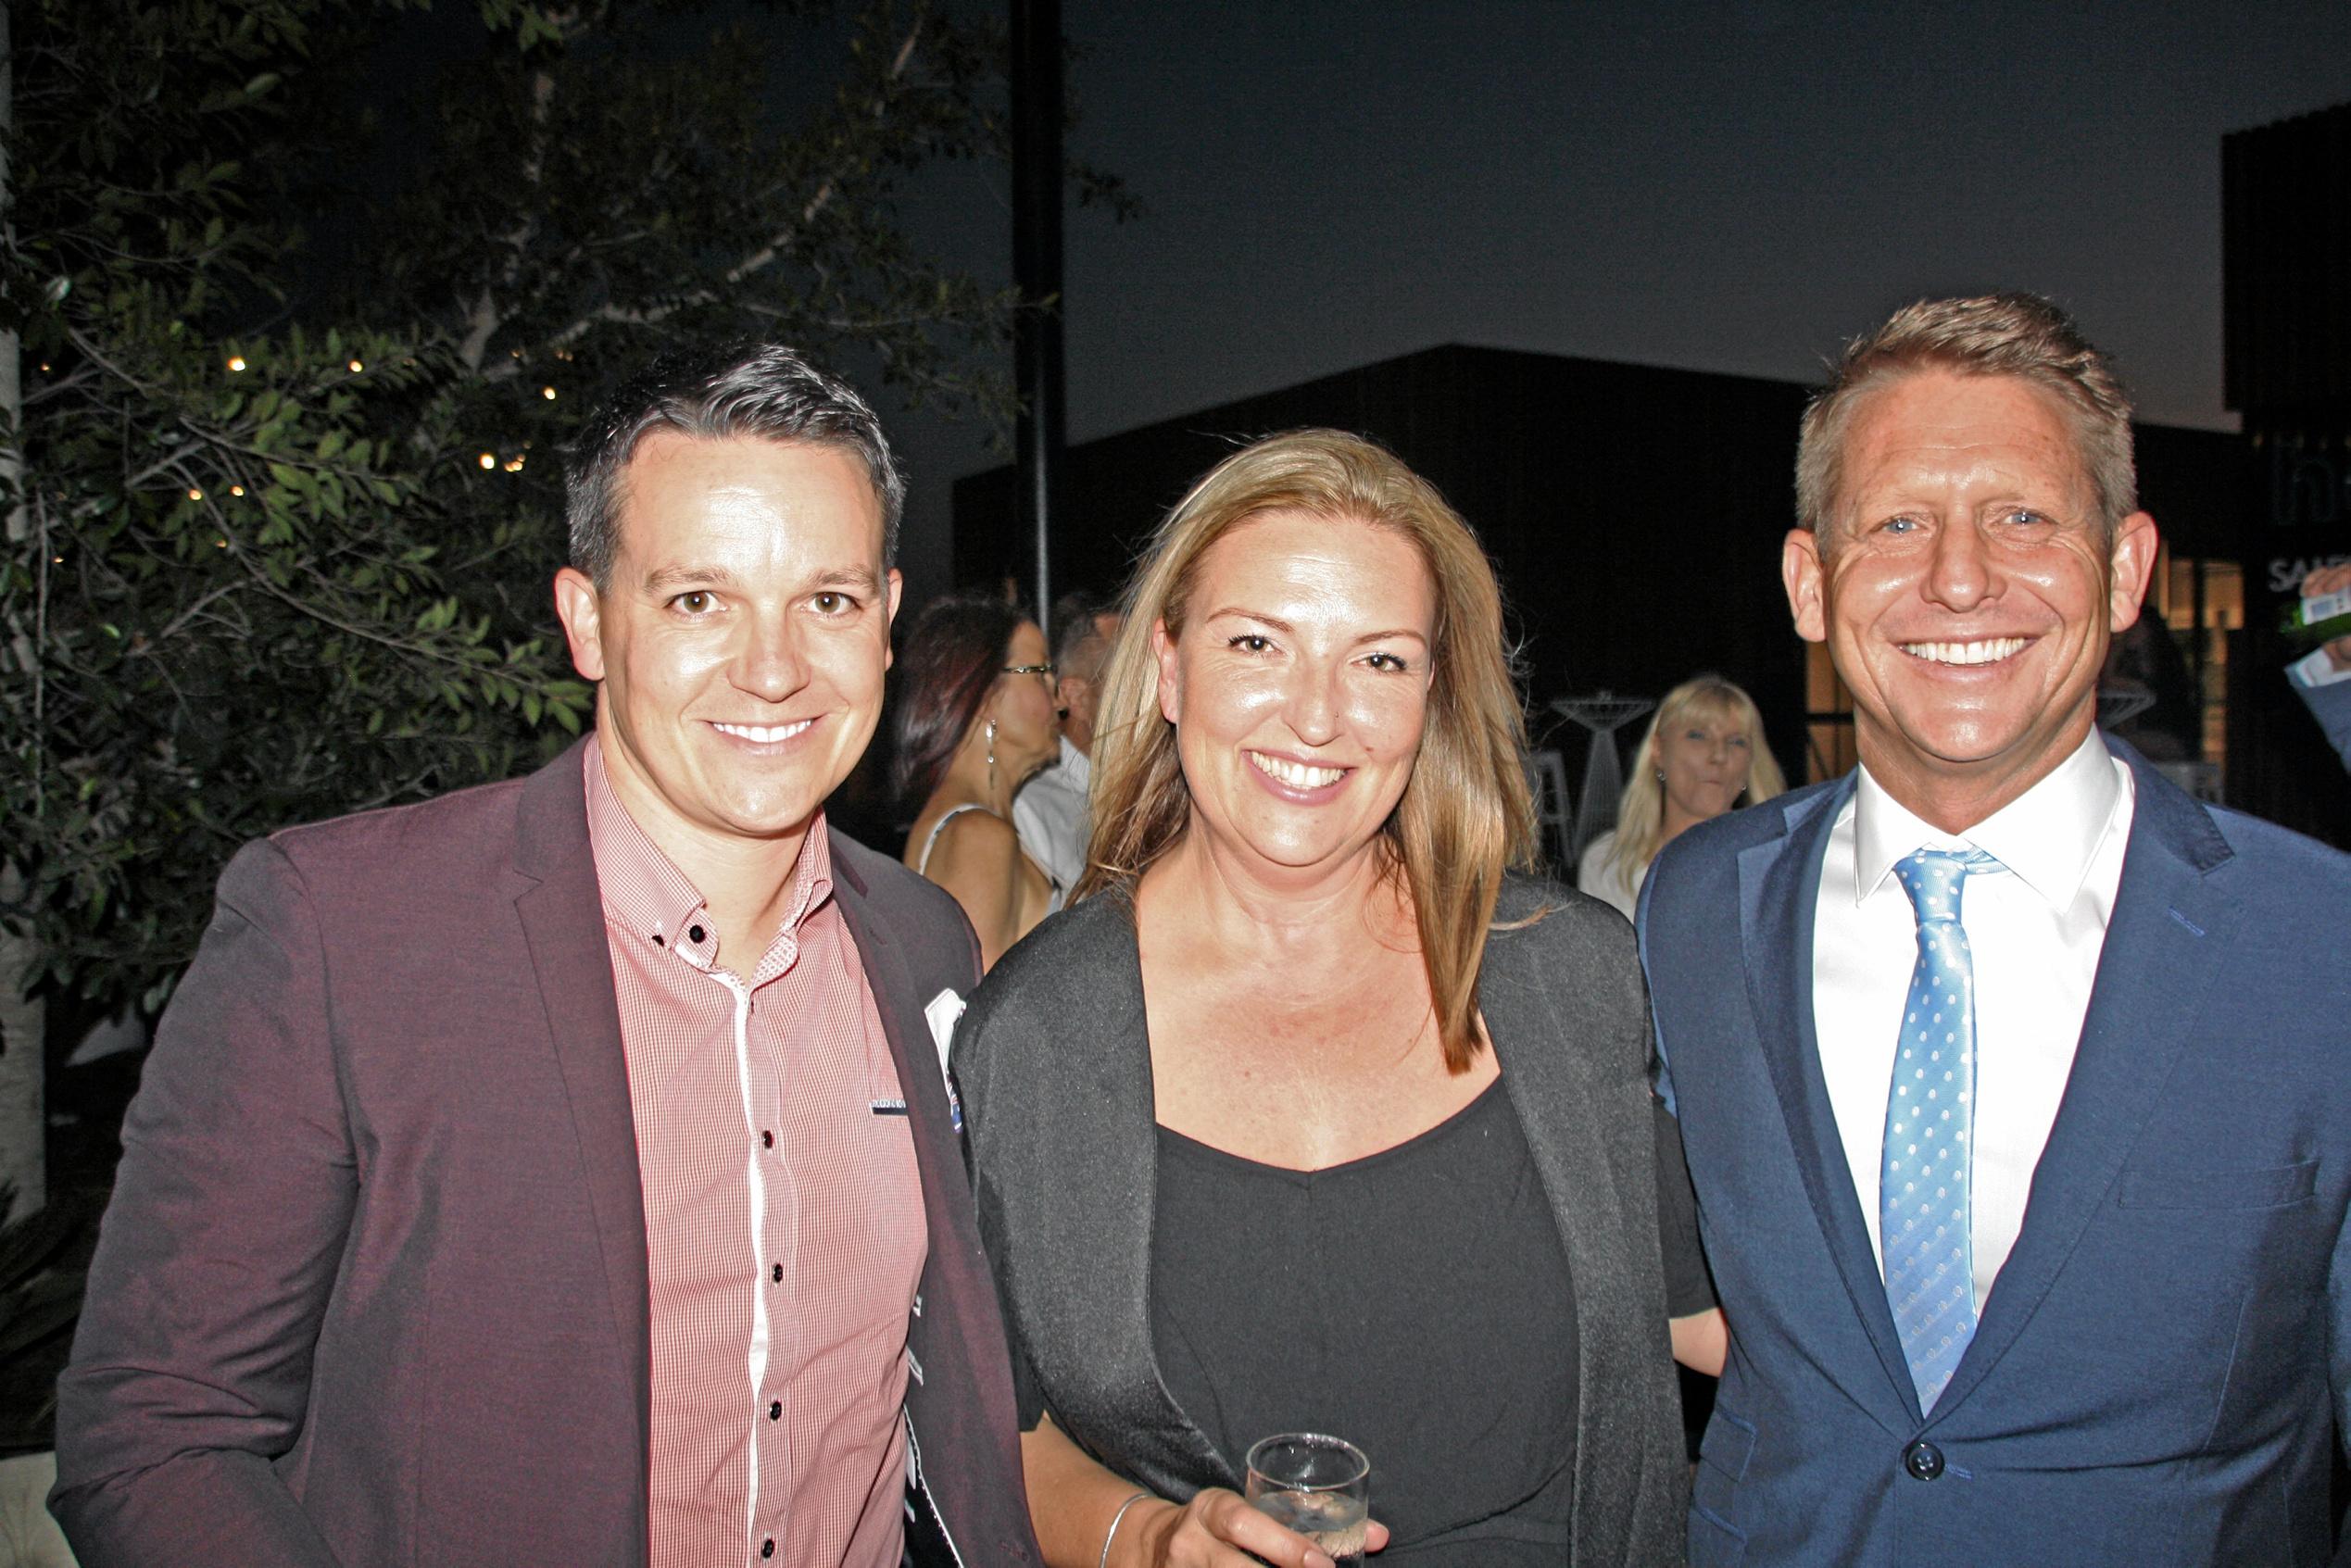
(1318, 1485)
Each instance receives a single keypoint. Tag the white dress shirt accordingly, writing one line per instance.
(1051, 815)
(2035, 929)
(2316, 668)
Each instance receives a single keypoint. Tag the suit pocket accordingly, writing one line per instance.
(1714, 1541)
(2274, 1188)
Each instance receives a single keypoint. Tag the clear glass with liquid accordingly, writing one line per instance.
(1318, 1485)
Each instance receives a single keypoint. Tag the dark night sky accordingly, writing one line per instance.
(1722, 184)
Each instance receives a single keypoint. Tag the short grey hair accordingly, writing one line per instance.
(1077, 633)
(1994, 335)
(760, 390)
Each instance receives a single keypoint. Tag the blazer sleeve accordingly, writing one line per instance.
(191, 1368)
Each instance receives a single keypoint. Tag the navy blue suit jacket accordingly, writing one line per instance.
(2156, 1371)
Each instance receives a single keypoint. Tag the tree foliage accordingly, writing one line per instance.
(282, 528)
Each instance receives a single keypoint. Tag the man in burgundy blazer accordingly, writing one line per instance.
(373, 1288)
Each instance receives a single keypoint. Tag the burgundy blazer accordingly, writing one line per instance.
(371, 1289)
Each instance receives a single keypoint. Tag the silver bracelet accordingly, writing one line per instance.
(1116, 1520)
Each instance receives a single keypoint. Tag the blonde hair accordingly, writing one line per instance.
(1996, 334)
(1466, 816)
(1641, 810)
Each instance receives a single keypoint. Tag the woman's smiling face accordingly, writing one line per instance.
(1298, 688)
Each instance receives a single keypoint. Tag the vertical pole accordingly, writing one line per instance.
(24, 1123)
(1036, 272)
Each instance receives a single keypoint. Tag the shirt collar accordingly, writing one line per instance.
(1076, 767)
(644, 889)
(2047, 835)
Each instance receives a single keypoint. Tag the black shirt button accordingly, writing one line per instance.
(776, 1409)
(657, 940)
(767, 1547)
(778, 1275)
(767, 1140)
(693, 932)
(1923, 1460)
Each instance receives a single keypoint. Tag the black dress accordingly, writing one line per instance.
(1417, 1301)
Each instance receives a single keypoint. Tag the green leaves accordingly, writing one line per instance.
(229, 575)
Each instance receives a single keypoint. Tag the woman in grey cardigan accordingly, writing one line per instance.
(1310, 1116)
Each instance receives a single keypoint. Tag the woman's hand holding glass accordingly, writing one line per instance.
(1218, 1529)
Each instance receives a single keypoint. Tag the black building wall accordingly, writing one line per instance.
(1633, 513)
(2286, 271)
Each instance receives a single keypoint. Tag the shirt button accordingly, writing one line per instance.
(767, 1547)
(1923, 1460)
(778, 1275)
(776, 1409)
(693, 932)
(767, 1140)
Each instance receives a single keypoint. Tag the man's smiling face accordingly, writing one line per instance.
(1966, 588)
(741, 640)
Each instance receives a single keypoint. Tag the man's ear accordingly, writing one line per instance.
(1170, 680)
(897, 588)
(1799, 573)
(2132, 563)
(580, 608)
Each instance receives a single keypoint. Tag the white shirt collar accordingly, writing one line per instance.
(2047, 835)
(1076, 767)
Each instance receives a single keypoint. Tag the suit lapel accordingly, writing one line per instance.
(562, 917)
(2161, 959)
(1778, 886)
(908, 1031)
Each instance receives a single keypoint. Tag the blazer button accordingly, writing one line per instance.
(1923, 1460)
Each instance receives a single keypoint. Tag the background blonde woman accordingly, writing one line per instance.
(1703, 751)
(1316, 1112)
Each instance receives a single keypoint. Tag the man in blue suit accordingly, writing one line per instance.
(2014, 1081)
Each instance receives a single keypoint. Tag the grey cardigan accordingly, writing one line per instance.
(1054, 1067)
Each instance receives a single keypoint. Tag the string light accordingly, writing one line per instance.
(236, 489)
(236, 362)
(219, 544)
(515, 467)
(194, 495)
(488, 460)
(357, 367)
(547, 393)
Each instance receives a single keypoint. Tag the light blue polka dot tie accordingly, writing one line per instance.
(1923, 1173)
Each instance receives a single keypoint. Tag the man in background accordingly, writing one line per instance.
(559, 1172)
(2322, 677)
(2016, 1083)
(1051, 812)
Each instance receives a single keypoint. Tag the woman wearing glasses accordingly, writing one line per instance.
(974, 720)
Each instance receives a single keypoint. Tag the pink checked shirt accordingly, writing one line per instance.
(783, 1215)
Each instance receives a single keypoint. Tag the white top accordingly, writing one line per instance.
(2316, 668)
(1595, 876)
(1050, 815)
(2035, 932)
